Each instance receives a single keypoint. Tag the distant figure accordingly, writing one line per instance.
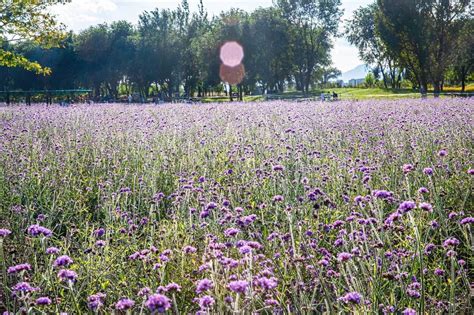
(129, 99)
(334, 96)
(322, 97)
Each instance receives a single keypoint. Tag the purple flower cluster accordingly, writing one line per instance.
(158, 303)
(62, 261)
(5, 232)
(37, 230)
(19, 268)
(95, 301)
(124, 304)
(351, 298)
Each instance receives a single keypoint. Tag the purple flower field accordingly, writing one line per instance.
(279, 207)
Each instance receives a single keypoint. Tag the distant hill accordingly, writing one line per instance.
(358, 72)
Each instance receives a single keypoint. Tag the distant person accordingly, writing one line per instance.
(334, 95)
(129, 99)
(322, 97)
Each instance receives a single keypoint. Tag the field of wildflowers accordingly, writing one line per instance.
(279, 207)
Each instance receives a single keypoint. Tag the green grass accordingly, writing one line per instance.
(344, 93)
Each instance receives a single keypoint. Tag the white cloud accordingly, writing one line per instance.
(86, 6)
(79, 14)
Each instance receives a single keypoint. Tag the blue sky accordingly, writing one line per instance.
(80, 14)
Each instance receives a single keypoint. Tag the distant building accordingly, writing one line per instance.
(356, 82)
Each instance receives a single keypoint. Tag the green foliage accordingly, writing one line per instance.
(28, 21)
(369, 80)
(311, 26)
(11, 59)
(422, 34)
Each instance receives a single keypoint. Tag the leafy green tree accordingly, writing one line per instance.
(28, 21)
(160, 50)
(330, 73)
(422, 34)
(270, 41)
(463, 56)
(361, 32)
(312, 24)
(369, 80)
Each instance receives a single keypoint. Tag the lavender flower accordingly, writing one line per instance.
(266, 283)
(278, 198)
(428, 171)
(467, 220)
(423, 190)
(351, 297)
(238, 286)
(52, 250)
(409, 311)
(43, 301)
(99, 232)
(24, 287)
(63, 261)
(67, 275)
(426, 206)
(406, 206)
(95, 301)
(204, 285)
(124, 304)
(205, 302)
(36, 230)
(442, 153)
(158, 303)
(341, 257)
(5, 232)
(407, 168)
(189, 249)
(231, 232)
(450, 242)
(19, 268)
(382, 194)
(173, 287)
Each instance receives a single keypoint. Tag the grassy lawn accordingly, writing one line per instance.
(344, 93)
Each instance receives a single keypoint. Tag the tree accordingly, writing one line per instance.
(463, 57)
(422, 34)
(361, 31)
(312, 23)
(369, 80)
(28, 21)
(160, 50)
(330, 73)
(269, 39)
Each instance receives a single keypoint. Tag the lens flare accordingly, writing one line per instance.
(232, 54)
(232, 75)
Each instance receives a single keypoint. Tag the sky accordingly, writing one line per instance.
(80, 14)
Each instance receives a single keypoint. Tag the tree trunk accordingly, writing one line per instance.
(384, 78)
(230, 93)
(463, 78)
(436, 88)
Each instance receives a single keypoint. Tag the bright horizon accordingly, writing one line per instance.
(80, 14)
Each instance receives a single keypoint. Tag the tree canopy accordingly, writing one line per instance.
(287, 45)
(28, 21)
(421, 38)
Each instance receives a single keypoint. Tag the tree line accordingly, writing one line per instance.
(427, 42)
(169, 50)
(287, 44)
